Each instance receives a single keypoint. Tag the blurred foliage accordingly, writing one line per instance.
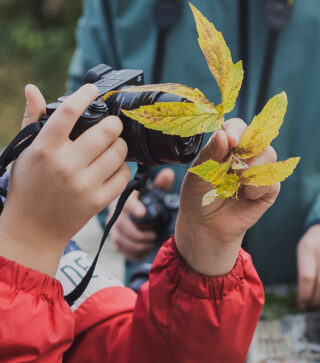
(37, 41)
(278, 306)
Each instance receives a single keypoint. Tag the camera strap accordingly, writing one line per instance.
(137, 183)
(278, 15)
(166, 15)
(21, 141)
(243, 24)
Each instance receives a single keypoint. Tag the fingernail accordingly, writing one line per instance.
(26, 93)
(140, 211)
(234, 137)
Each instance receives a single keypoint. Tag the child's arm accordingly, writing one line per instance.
(56, 186)
(204, 313)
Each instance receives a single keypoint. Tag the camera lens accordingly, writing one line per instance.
(148, 146)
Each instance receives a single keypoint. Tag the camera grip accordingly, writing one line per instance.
(96, 111)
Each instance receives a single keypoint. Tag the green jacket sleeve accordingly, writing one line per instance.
(313, 216)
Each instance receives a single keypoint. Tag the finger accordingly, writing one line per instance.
(128, 228)
(35, 105)
(268, 155)
(307, 271)
(134, 207)
(269, 192)
(315, 300)
(59, 125)
(97, 139)
(132, 250)
(217, 148)
(106, 164)
(234, 128)
(164, 179)
(113, 187)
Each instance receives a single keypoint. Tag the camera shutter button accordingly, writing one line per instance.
(98, 106)
(62, 98)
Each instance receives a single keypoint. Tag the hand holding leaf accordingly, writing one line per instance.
(199, 115)
(257, 137)
(225, 219)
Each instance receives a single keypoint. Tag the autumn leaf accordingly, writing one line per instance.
(193, 95)
(229, 76)
(211, 171)
(227, 188)
(237, 164)
(263, 128)
(209, 197)
(270, 173)
(225, 185)
(231, 88)
(199, 115)
(177, 118)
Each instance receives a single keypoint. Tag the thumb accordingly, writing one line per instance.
(164, 179)
(134, 207)
(35, 105)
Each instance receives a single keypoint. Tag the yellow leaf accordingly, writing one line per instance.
(177, 118)
(209, 197)
(237, 164)
(263, 128)
(231, 88)
(193, 95)
(211, 171)
(109, 94)
(269, 174)
(228, 187)
(229, 76)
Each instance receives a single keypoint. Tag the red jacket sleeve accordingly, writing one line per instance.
(35, 322)
(180, 316)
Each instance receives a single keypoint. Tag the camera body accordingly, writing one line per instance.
(145, 146)
(161, 215)
(161, 212)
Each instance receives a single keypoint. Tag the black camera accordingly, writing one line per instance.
(161, 215)
(145, 146)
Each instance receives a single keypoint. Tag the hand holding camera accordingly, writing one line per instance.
(57, 185)
(145, 146)
(64, 151)
(133, 239)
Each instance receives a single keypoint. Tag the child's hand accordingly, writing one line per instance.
(57, 185)
(209, 237)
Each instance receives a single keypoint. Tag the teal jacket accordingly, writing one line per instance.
(122, 34)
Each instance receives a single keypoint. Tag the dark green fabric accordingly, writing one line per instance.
(121, 33)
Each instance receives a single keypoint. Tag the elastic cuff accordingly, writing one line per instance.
(195, 284)
(21, 278)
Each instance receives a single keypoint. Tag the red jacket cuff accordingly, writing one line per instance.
(193, 283)
(21, 278)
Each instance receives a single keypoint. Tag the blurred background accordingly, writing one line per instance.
(37, 41)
